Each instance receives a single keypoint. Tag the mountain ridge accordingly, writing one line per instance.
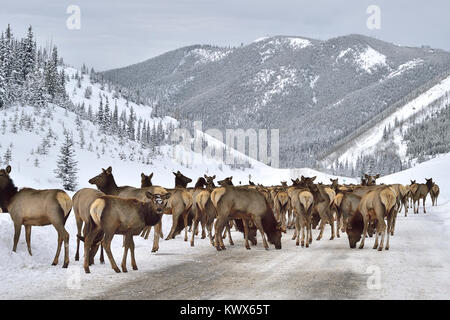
(305, 87)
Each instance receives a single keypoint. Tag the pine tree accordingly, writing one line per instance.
(67, 169)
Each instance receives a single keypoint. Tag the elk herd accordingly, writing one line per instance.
(359, 210)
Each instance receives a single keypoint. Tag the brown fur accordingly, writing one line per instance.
(434, 193)
(376, 205)
(420, 192)
(82, 201)
(106, 183)
(31, 207)
(249, 205)
(115, 215)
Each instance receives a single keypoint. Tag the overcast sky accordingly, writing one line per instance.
(118, 33)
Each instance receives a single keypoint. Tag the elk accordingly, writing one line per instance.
(281, 204)
(180, 204)
(246, 204)
(323, 199)
(31, 207)
(434, 194)
(126, 216)
(302, 202)
(376, 205)
(204, 209)
(420, 191)
(82, 201)
(106, 183)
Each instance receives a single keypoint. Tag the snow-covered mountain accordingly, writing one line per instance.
(318, 93)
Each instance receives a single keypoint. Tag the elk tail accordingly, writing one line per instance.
(388, 199)
(64, 202)
(96, 210)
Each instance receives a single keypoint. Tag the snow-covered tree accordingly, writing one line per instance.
(67, 169)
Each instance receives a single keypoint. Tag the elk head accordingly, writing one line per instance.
(5, 180)
(429, 183)
(371, 180)
(284, 183)
(157, 202)
(146, 181)
(354, 229)
(181, 180)
(275, 237)
(104, 179)
(226, 182)
(201, 182)
(210, 180)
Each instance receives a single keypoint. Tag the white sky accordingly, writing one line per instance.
(118, 33)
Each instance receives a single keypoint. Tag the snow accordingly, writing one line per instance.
(370, 58)
(404, 67)
(32, 277)
(299, 43)
(367, 142)
(367, 58)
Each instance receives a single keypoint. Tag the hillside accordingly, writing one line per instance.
(307, 88)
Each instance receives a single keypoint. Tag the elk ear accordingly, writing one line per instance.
(149, 195)
(377, 176)
(109, 170)
(174, 173)
(8, 169)
(150, 176)
(142, 175)
(206, 177)
(313, 178)
(214, 176)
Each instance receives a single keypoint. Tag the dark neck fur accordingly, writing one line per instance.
(179, 183)
(150, 217)
(7, 194)
(110, 187)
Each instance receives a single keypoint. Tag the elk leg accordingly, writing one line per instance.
(366, 225)
(331, 221)
(258, 225)
(219, 225)
(102, 258)
(375, 245)
(79, 227)
(383, 232)
(321, 227)
(146, 232)
(28, 238)
(133, 259)
(244, 222)
(17, 230)
(390, 225)
(229, 235)
(424, 210)
(185, 218)
(157, 233)
(58, 250)
(203, 223)
(195, 226)
(299, 227)
(107, 245)
(125, 252)
(88, 241)
(63, 235)
(209, 226)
